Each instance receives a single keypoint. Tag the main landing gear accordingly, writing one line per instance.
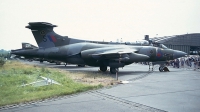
(103, 68)
(41, 61)
(113, 70)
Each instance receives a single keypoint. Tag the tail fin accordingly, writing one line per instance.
(28, 46)
(45, 36)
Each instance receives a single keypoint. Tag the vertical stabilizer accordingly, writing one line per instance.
(45, 36)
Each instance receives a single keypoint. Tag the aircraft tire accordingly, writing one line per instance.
(81, 65)
(165, 69)
(113, 70)
(161, 69)
(30, 60)
(41, 61)
(58, 63)
(103, 68)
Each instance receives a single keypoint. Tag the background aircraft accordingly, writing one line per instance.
(28, 46)
(25, 46)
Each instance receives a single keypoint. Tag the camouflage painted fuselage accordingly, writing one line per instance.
(101, 54)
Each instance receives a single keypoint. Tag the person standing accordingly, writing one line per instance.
(190, 61)
(182, 63)
(177, 63)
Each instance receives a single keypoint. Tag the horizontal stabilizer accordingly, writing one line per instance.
(36, 25)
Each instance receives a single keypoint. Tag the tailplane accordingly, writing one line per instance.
(45, 36)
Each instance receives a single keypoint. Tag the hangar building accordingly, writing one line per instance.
(189, 43)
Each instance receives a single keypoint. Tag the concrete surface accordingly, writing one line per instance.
(174, 91)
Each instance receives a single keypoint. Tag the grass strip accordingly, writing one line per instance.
(15, 74)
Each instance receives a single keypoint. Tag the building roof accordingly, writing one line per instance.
(185, 39)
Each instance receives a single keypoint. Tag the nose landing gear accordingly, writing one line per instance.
(163, 69)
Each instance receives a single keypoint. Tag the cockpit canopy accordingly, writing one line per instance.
(160, 45)
(140, 42)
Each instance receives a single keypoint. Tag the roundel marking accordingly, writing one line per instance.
(158, 55)
(42, 32)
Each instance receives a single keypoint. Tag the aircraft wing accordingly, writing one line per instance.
(115, 52)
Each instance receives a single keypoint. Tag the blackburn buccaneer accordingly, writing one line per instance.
(76, 51)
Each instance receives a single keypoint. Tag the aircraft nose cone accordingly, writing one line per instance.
(178, 54)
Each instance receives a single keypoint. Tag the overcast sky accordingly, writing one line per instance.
(100, 20)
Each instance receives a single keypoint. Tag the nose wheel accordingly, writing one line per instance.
(163, 69)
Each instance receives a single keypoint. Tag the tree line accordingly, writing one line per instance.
(4, 55)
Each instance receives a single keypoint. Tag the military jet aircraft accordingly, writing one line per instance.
(76, 51)
(28, 46)
(24, 46)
